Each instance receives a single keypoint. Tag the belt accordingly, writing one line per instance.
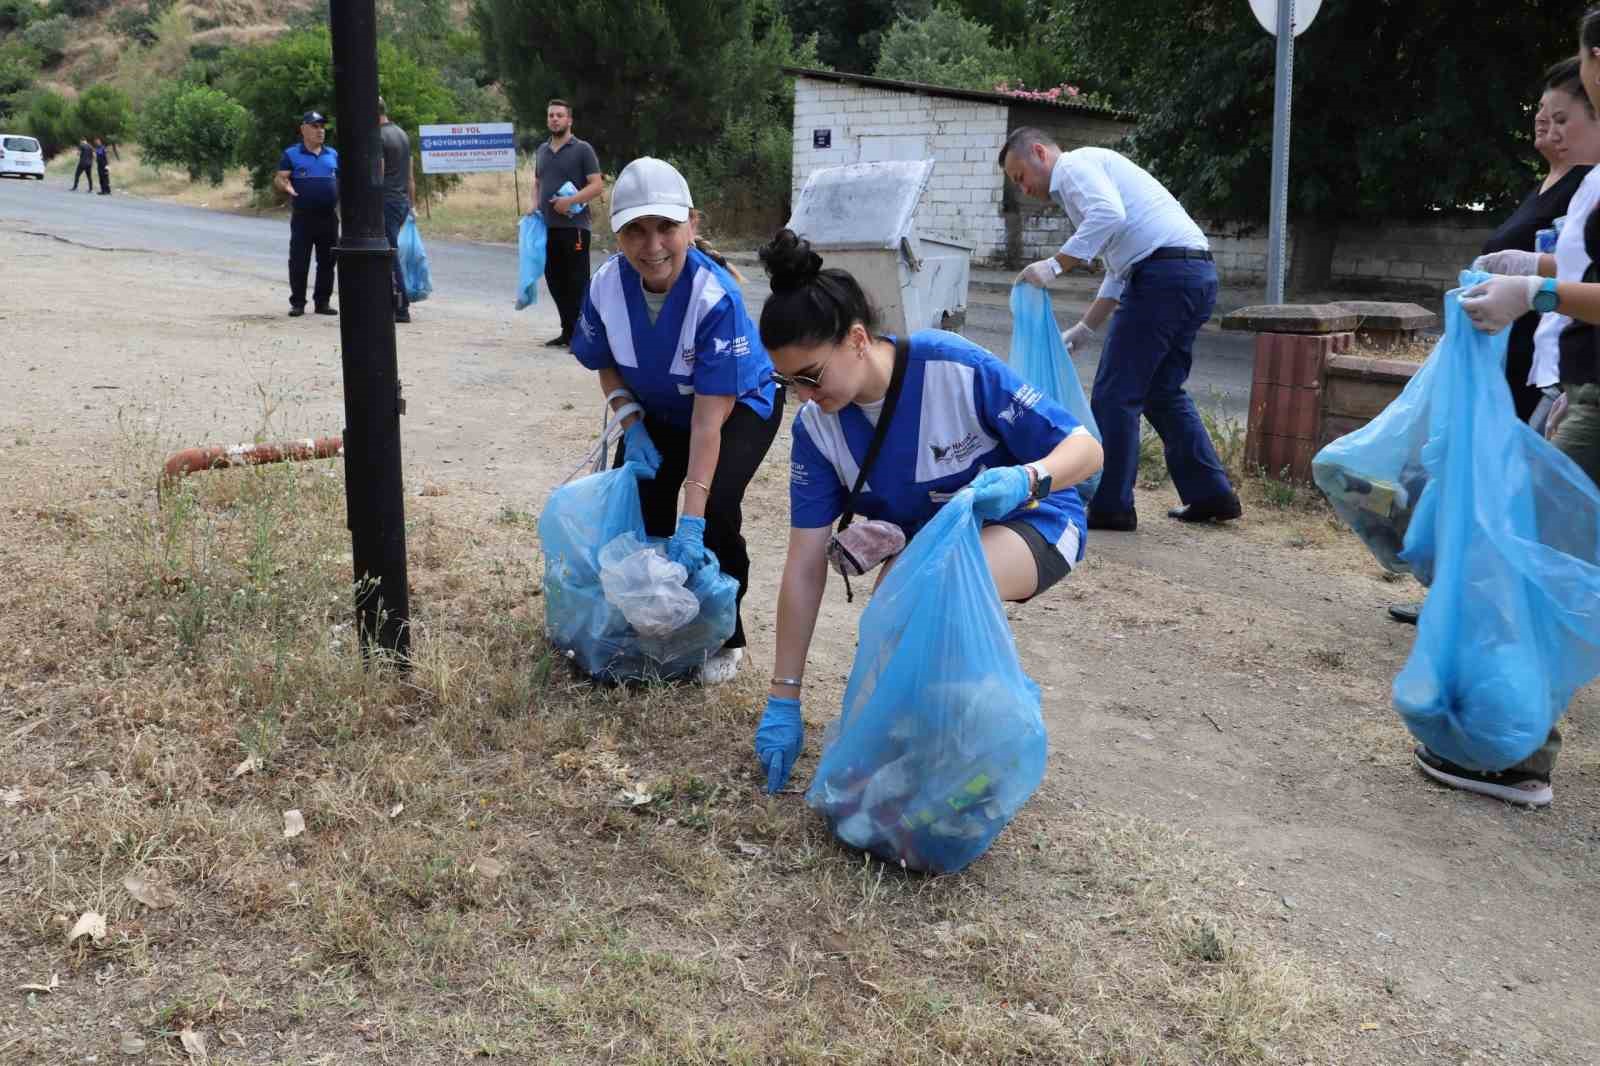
(1178, 253)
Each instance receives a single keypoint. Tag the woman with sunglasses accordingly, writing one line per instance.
(958, 417)
(666, 329)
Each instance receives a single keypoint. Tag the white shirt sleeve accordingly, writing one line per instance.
(1111, 288)
(1085, 191)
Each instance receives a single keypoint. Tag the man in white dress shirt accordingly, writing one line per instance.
(1159, 272)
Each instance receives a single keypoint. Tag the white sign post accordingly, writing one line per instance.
(468, 148)
(1287, 19)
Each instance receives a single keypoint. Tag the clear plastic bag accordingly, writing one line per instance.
(940, 741)
(647, 587)
(1040, 357)
(531, 236)
(580, 518)
(1511, 529)
(414, 262)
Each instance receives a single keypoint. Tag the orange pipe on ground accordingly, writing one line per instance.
(216, 456)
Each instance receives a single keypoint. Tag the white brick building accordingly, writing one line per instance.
(852, 118)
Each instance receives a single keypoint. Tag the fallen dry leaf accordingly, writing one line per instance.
(149, 893)
(89, 924)
(394, 812)
(636, 797)
(194, 1044)
(755, 851)
(131, 1044)
(11, 797)
(294, 823)
(488, 866)
(250, 765)
(1367, 1027)
(53, 984)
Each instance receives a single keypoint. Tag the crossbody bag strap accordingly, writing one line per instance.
(902, 356)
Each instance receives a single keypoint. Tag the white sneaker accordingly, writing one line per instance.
(720, 668)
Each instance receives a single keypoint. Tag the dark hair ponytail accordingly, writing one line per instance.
(809, 305)
(1589, 28)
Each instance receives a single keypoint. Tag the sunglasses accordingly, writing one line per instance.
(802, 381)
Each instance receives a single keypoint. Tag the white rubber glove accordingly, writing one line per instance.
(1511, 261)
(1076, 335)
(1494, 304)
(1041, 273)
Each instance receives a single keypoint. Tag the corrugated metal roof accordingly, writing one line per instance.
(1005, 99)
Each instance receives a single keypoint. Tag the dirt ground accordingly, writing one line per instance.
(1228, 684)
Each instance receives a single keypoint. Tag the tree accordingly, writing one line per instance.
(49, 38)
(103, 111)
(944, 48)
(849, 32)
(194, 127)
(1431, 112)
(51, 120)
(278, 82)
(16, 14)
(19, 66)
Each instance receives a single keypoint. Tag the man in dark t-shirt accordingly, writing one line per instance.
(399, 193)
(563, 159)
(85, 165)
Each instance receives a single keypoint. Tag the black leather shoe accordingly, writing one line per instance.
(402, 316)
(1405, 612)
(326, 310)
(558, 342)
(1116, 521)
(1218, 509)
(296, 312)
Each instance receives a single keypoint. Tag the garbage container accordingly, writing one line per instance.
(861, 218)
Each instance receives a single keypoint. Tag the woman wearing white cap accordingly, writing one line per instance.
(666, 328)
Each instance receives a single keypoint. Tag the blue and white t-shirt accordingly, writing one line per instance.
(961, 411)
(702, 339)
(314, 175)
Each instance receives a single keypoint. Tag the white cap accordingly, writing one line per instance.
(646, 187)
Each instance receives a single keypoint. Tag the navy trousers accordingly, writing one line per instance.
(1143, 368)
(394, 220)
(312, 231)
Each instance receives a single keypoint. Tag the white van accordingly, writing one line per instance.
(21, 156)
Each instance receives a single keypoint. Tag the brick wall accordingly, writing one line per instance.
(868, 123)
(1397, 255)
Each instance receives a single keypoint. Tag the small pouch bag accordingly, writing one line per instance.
(856, 549)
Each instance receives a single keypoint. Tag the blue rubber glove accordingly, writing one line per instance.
(999, 492)
(688, 544)
(639, 450)
(778, 739)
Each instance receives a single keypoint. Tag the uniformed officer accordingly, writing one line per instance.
(308, 173)
(1161, 281)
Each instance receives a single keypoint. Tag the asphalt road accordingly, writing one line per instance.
(464, 270)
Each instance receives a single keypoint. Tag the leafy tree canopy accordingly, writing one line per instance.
(944, 48)
(194, 127)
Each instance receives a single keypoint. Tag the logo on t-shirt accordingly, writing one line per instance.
(798, 475)
(588, 327)
(1021, 400)
(736, 347)
(956, 451)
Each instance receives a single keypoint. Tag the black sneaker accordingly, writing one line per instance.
(1217, 509)
(402, 316)
(324, 309)
(1512, 786)
(1407, 613)
(1116, 521)
(559, 342)
(296, 312)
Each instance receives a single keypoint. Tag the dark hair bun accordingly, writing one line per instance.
(789, 260)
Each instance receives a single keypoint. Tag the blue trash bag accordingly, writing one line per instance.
(530, 258)
(569, 189)
(939, 742)
(1512, 529)
(1040, 357)
(414, 262)
(579, 523)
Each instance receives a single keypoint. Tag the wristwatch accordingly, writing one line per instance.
(1041, 481)
(1545, 299)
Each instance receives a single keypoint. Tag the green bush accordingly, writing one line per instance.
(194, 127)
(16, 14)
(77, 9)
(136, 25)
(49, 37)
(944, 48)
(103, 111)
(19, 66)
(278, 82)
(51, 120)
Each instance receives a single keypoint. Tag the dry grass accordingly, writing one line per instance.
(131, 176)
(177, 673)
(1415, 350)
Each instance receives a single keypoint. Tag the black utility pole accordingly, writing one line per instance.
(374, 488)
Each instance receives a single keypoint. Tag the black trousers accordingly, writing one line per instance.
(312, 231)
(83, 171)
(105, 180)
(394, 220)
(566, 272)
(746, 437)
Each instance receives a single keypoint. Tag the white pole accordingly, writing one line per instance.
(1277, 235)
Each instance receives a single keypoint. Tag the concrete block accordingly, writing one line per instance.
(1404, 269)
